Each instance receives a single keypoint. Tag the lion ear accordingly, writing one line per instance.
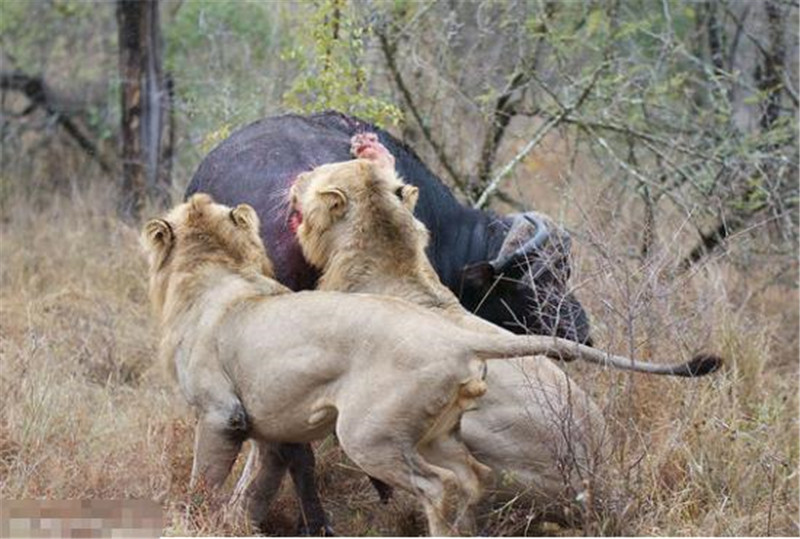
(244, 216)
(409, 195)
(157, 235)
(335, 199)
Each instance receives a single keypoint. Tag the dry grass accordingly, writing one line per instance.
(85, 414)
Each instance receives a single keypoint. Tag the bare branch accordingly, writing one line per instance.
(504, 110)
(545, 128)
(724, 230)
(649, 137)
(389, 53)
(739, 21)
(40, 96)
(506, 170)
(506, 104)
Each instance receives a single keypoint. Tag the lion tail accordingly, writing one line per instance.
(488, 346)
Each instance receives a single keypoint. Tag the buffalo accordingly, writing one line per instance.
(510, 270)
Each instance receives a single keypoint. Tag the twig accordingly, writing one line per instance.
(628, 131)
(684, 175)
(388, 52)
(502, 196)
(635, 173)
(418, 15)
(537, 137)
(507, 102)
(739, 21)
(36, 90)
(771, 498)
(709, 241)
(787, 85)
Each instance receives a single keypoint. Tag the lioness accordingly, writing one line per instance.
(349, 221)
(259, 362)
(534, 427)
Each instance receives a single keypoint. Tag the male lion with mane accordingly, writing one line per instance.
(259, 362)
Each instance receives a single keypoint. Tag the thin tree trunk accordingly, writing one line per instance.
(770, 77)
(167, 143)
(145, 95)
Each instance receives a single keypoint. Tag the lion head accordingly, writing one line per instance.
(199, 233)
(337, 204)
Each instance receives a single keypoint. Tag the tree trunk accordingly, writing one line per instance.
(146, 108)
(769, 76)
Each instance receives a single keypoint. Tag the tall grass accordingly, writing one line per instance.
(85, 413)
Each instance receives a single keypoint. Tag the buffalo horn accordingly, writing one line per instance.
(501, 264)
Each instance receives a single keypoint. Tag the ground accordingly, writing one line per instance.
(87, 412)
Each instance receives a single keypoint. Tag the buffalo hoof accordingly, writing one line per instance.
(384, 491)
(320, 530)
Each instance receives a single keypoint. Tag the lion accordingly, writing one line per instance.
(259, 362)
(350, 224)
(538, 431)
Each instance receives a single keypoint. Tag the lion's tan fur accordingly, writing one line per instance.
(240, 252)
(377, 245)
(374, 243)
(257, 361)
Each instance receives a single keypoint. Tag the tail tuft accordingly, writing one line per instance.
(703, 364)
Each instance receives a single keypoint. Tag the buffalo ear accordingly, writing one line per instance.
(479, 274)
(335, 199)
(244, 216)
(410, 195)
(157, 235)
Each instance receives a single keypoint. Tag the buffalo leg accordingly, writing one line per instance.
(260, 481)
(300, 458)
(384, 491)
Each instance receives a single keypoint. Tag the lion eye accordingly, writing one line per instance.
(399, 193)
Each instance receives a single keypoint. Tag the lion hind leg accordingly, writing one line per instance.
(396, 461)
(217, 441)
(450, 453)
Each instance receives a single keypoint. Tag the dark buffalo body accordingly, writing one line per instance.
(258, 163)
